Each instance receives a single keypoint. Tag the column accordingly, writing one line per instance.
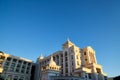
(26, 67)
(95, 58)
(10, 64)
(59, 59)
(30, 68)
(68, 59)
(64, 63)
(21, 66)
(16, 65)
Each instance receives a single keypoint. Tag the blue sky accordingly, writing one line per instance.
(31, 27)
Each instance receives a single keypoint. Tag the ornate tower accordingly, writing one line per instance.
(49, 70)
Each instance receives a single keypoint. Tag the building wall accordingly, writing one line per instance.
(75, 61)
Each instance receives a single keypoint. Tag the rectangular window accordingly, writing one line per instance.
(66, 64)
(66, 70)
(77, 62)
(89, 75)
(72, 63)
(71, 56)
(65, 58)
(77, 56)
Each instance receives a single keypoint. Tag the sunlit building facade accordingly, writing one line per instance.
(71, 63)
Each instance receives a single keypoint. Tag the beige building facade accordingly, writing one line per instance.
(15, 68)
(70, 63)
(74, 64)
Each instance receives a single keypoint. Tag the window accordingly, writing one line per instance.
(89, 75)
(105, 77)
(66, 64)
(98, 70)
(5, 68)
(65, 53)
(14, 60)
(73, 70)
(20, 61)
(18, 65)
(8, 58)
(13, 65)
(57, 57)
(22, 71)
(7, 63)
(27, 72)
(61, 55)
(86, 76)
(77, 56)
(77, 62)
(54, 58)
(72, 62)
(84, 53)
(29, 64)
(23, 66)
(66, 70)
(85, 59)
(61, 60)
(2, 57)
(25, 62)
(65, 58)
(17, 70)
(71, 56)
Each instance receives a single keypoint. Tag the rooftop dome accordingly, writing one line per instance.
(89, 48)
(52, 62)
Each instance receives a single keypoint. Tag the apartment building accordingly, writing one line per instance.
(15, 68)
(75, 64)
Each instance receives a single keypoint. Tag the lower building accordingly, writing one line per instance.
(16, 68)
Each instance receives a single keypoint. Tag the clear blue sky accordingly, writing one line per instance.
(31, 27)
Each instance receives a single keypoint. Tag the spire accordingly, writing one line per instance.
(68, 39)
(67, 44)
(41, 57)
(52, 62)
(51, 58)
